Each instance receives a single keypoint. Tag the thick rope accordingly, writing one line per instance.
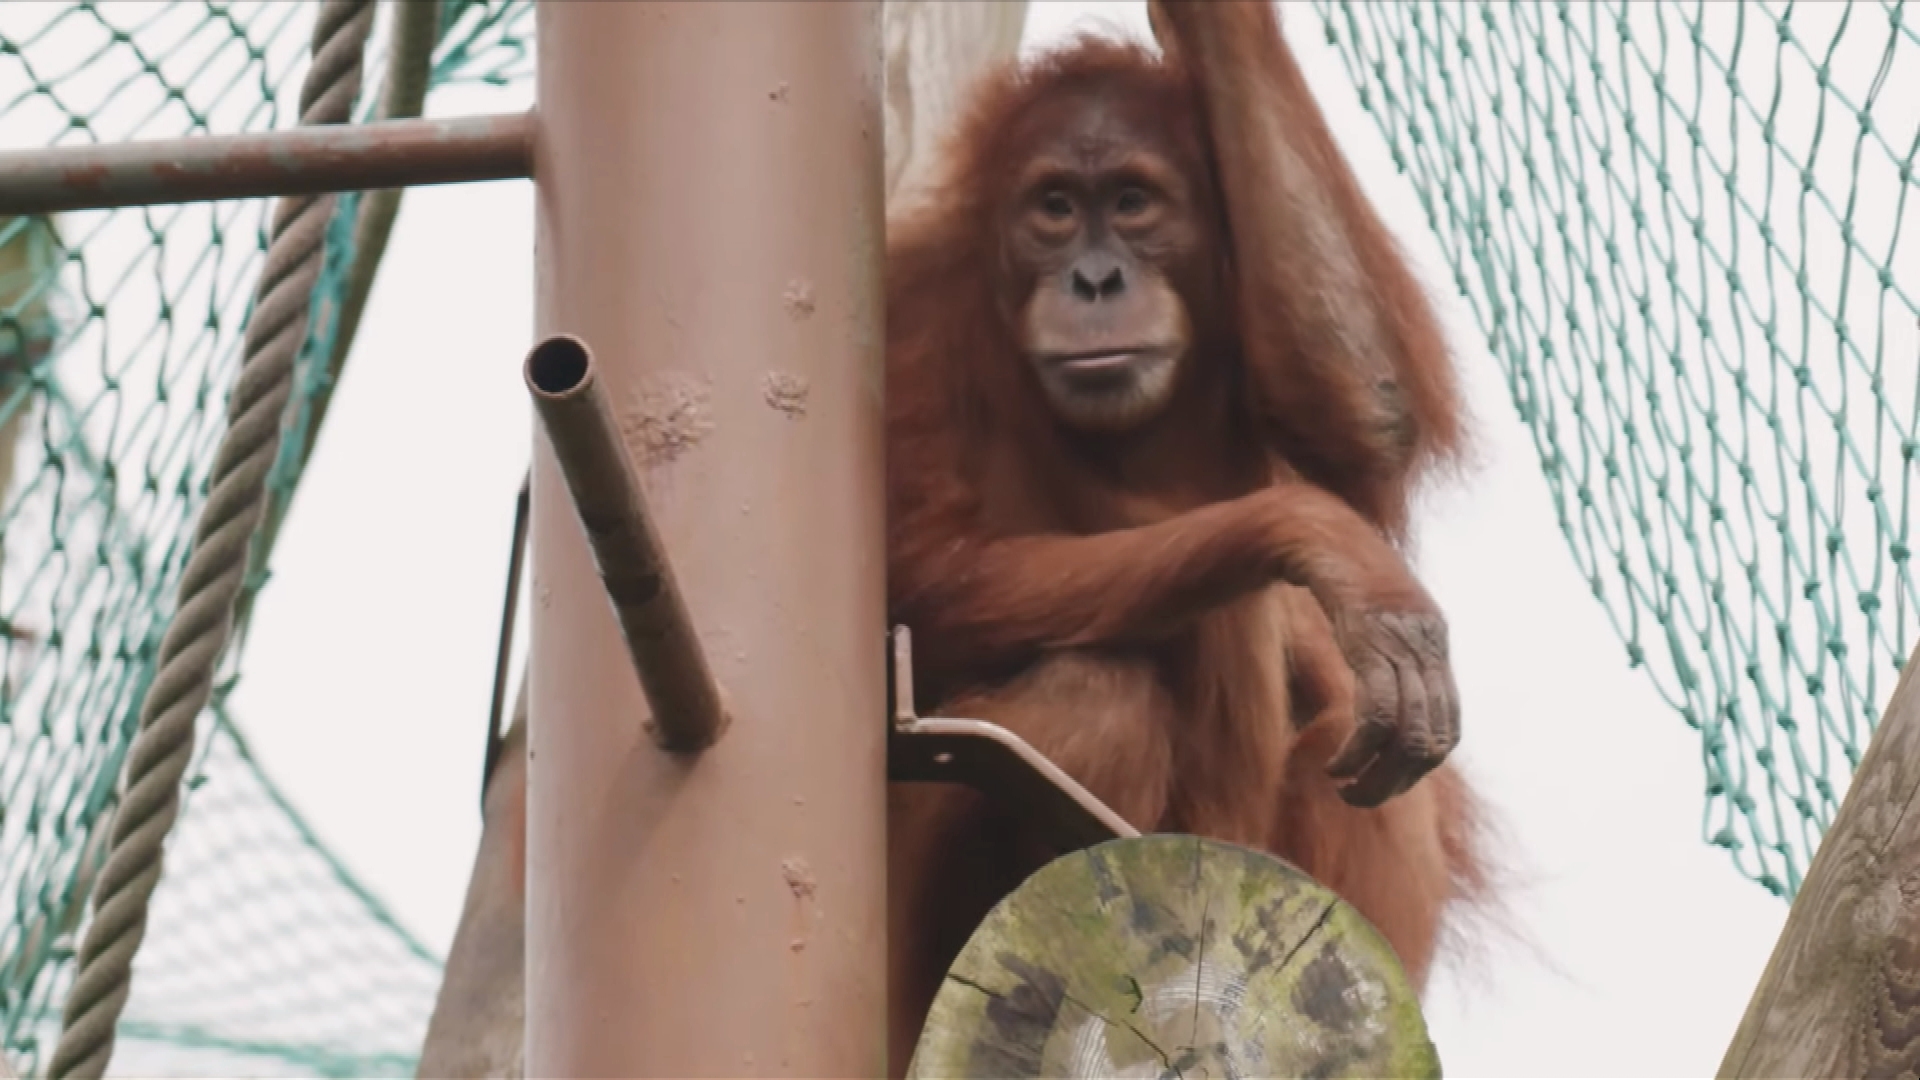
(416, 30)
(197, 636)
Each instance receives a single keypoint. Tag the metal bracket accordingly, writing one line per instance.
(992, 760)
(983, 756)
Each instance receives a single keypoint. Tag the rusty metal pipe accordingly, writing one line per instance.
(297, 161)
(574, 412)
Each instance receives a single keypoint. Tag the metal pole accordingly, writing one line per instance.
(709, 218)
(578, 419)
(298, 161)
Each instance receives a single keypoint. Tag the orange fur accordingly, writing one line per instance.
(1153, 614)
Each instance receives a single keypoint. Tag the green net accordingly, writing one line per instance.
(1680, 225)
(119, 336)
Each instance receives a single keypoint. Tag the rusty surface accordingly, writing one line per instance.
(579, 424)
(723, 915)
(297, 161)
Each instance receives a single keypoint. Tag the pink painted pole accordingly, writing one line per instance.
(710, 225)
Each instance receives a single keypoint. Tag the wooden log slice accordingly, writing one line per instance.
(1173, 956)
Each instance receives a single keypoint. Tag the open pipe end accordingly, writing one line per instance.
(559, 367)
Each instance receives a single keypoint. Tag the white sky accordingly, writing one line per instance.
(370, 663)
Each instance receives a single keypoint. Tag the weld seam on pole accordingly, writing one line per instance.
(197, 635)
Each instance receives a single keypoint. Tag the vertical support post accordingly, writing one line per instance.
(710, 221)
(1838, 996)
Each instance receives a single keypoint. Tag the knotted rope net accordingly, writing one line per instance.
(1684, 228)
(120, 335)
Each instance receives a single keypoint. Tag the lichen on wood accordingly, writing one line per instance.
(1174, 956)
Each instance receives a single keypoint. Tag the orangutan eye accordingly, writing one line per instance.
(1131, 202)
(1055, 204)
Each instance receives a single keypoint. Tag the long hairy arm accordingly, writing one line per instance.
(1343, 350)
(978, 601)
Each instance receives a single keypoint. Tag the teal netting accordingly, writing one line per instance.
(119, 335)
(1683, 228)
(1679, 224)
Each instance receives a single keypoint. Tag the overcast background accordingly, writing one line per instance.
(369, 667)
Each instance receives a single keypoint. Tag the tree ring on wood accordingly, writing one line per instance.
(1174, 956)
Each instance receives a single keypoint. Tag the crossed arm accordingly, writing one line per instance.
(984, 601)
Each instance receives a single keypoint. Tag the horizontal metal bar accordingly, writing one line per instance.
(296, 161)
(574, 409)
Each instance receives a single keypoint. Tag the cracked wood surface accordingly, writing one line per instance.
(1841, 994)
(1174, 956)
